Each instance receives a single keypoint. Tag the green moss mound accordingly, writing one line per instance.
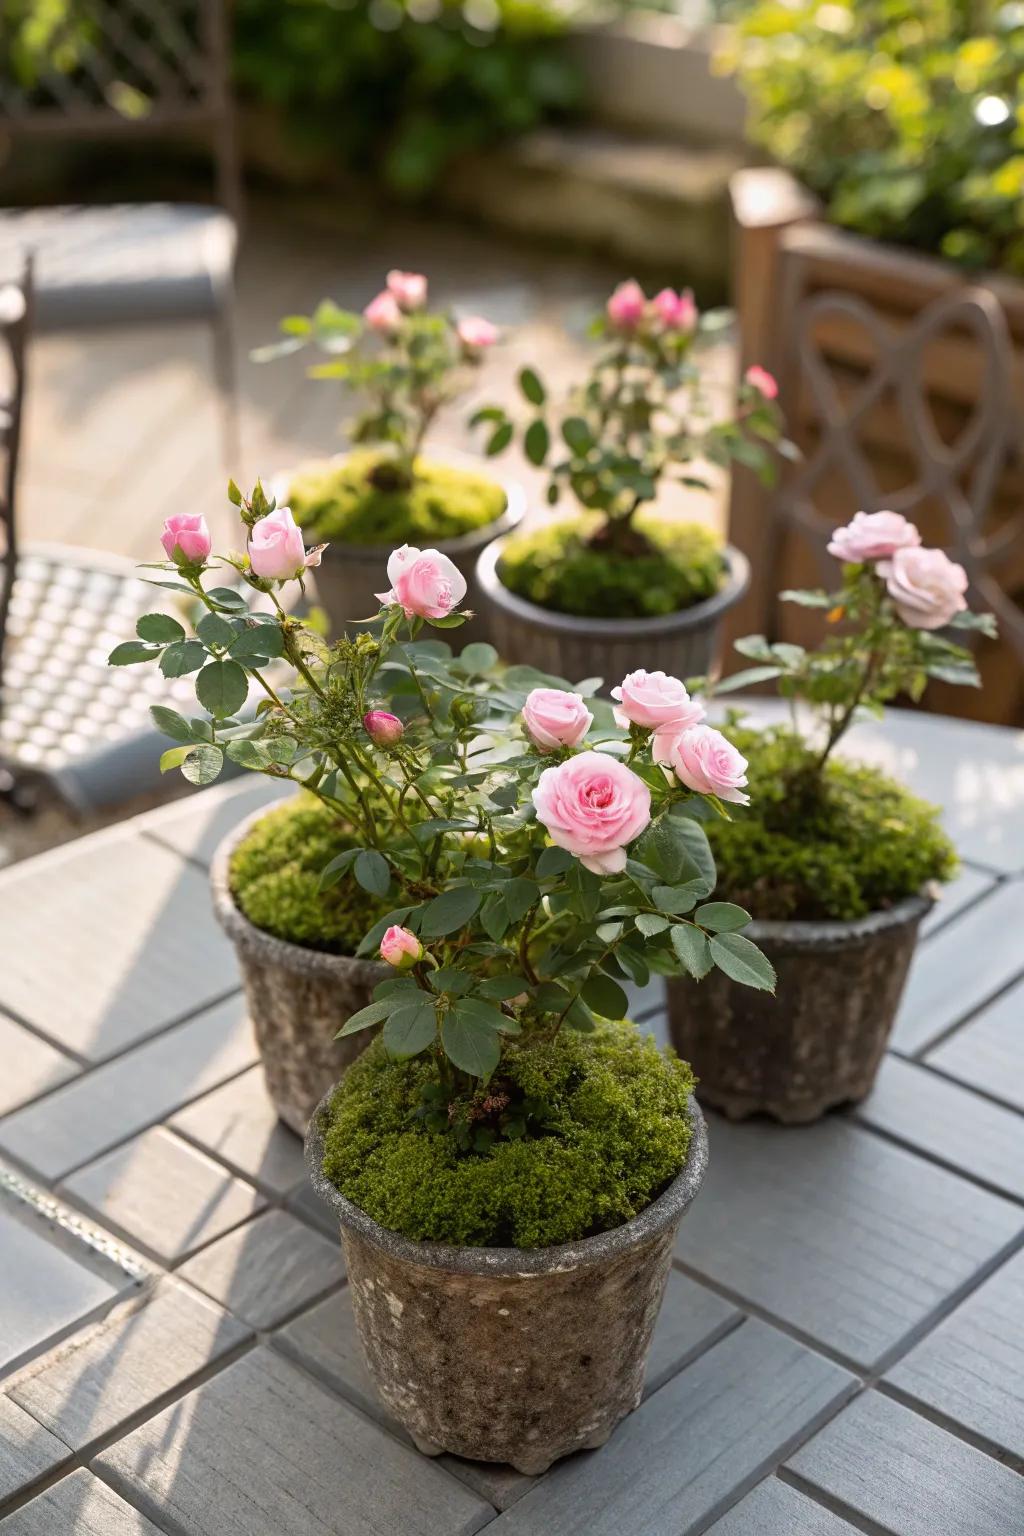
(616, 1134)
(839, 848)
(338, 501)
(557, 568)
(274, 875)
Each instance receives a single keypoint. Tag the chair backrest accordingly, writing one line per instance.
(15, 324)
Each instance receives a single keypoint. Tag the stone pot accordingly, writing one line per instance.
(685, 644)
(507, 1354)
(298, 999)
(819, 1041)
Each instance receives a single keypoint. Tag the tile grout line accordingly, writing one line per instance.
(987, 1097)
(950, 1426)
(894, 1139)
(943, 1035)
(828, 1501)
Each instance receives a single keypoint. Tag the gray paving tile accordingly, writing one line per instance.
(193, 827)
(105, 1375)
(85, 1117)
(971, 1368)
(972, 959)
(889, 1465)
(163, 1195)
(268, 1269)
(44, 1290)
(691, 1318)
(238, 1124)
(775, 1509)
(838, 1233)
(714, 1430)
(30, 1066)
(262, 1448)
(988, 1053)
(79, 1505)
(27, 1450)
(949, 1123)
(964, 889)
(307, 1204)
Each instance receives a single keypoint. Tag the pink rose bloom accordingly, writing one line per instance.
(383, 728)
(425, 582)
(555, 718)
(872, 536)
(476, 333)
(276, 550)
(926, 586)
(626, 306)
(382, 314)
(400, 948)
(592, 805)
(654, 700)
(408, 289)
(760, 379)
(704, 761)
(187, 532)
(675, 311)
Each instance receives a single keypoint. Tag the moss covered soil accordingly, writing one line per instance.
(338, 500)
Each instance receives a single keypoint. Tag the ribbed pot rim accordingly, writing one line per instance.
(663, 1213)
(266, 946)
(840, 934)
(699, 616)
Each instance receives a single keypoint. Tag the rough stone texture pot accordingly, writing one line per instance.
(506, 1354)
(819, 1041)
(684, 643)
(298, 999)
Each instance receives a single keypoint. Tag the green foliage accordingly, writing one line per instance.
(559, 567)
(905, 116)
(838, 844)
(339, 503)
(605, 1133)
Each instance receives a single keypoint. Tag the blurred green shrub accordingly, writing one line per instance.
(905, 116)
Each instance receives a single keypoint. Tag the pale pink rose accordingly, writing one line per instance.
(476, 333)
(425, 582)
(408, 289)
(276, 550)
(760, 379)
(675, 311)
(653, 700)
(593, 805)
(872, 536)
(555, 718)
(382, 314)
(926, 586)
(382, 727)
(704, 761)
(187, 532)
(626, 306)
(400, 948)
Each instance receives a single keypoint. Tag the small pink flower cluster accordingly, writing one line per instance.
(669, 312)
(926, 587)
(404, 294)
(276, 549)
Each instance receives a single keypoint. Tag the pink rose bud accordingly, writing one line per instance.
(925, 585)
(872, 536)
(626, 306)
(555, 718)
(383, 729)
(593, 805)
(400, 948)
(760, 379)
(704, 761)
(188, 534)
(653, 700)
(408, 289)
(675, 311)
(476, 333)
(425, 582)
(382, 314)
(276, 550)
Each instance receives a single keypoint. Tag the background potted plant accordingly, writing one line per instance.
(618, 584)
(837, 860)
(407, 363)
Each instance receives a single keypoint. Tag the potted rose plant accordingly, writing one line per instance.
(838, 861)
(619, 584)
(509, 1158)
(407, 363)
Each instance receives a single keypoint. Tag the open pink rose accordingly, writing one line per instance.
(675, 311)
(555, 718)
(653, 700)
(925, 585)
(872, 536)
(760, 379)
(425, 582)
(626, 306)
(704, 761)
(382, 314)
(187, 532)
(276, 550)
(593, 805)
(400, 948)
(476, 333)
(408, 289)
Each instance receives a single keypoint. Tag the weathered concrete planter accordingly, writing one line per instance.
(816, 1043)
(298, 999)
(684, 643)
(506, 1354)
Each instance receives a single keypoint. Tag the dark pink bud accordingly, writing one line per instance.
(383, 729)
